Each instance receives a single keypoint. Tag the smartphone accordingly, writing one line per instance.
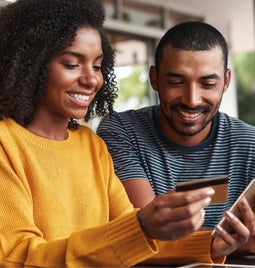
(249, 194)
(219, 184)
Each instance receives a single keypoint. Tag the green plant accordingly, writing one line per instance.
(244, 64)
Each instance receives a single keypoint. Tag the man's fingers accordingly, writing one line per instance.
(241, 232)
(248, 216)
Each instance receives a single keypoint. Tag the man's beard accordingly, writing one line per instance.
(188, 126)
(201, 108)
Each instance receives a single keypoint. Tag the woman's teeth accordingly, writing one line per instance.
(79, 97)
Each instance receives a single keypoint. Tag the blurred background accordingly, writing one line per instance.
(135, 27)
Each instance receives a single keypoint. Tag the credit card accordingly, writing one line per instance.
(219, 184)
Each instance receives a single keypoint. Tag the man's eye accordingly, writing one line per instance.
(209, 85)
(175, 83)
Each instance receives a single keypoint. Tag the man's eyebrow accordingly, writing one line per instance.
(210, 76)
(172, 74)
(204, 77)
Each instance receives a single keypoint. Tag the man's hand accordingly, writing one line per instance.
(248, 216)
(174, 215)
(242, 240)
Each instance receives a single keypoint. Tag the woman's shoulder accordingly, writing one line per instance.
(85, 131)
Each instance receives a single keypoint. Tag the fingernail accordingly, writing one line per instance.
(211, 191)
(203, 213)
(229, 215)
(208, 200)
(219, 228)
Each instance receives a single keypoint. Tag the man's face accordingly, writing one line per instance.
(190, 85)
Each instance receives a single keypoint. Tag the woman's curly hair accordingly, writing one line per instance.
(32, 31)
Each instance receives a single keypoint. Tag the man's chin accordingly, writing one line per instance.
(188, 132)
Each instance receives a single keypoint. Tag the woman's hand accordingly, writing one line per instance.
(174, 215)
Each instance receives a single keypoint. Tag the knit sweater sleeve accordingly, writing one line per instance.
(191, 249)
(112, 244)
(124, 244)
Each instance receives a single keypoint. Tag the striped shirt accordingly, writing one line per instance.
(139, 150)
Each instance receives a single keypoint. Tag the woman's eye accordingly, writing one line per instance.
(71, 66)
(97, 67)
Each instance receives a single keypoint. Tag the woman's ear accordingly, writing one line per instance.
(153, 78)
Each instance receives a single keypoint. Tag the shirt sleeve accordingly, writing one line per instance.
(125, 155)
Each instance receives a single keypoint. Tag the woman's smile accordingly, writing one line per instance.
(80, 99)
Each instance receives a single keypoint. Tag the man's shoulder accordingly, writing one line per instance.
(234, 120)
(138, 116)
(132, 123)
(137, 113)
(235, 124)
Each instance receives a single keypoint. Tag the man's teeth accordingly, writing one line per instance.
(79, 97)
(190, 115)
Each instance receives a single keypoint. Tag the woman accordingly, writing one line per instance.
(61, 202)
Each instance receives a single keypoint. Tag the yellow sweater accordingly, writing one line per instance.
(62, 205)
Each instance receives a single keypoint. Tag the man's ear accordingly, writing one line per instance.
(227, 79)
(153, 78)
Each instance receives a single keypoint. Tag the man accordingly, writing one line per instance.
(185, 137)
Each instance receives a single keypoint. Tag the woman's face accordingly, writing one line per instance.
(74, 77)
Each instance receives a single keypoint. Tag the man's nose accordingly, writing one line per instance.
(192, 96)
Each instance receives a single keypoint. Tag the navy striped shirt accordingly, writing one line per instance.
(139, 150)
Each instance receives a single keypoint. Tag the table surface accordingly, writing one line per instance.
(231, 262)
(248, 260)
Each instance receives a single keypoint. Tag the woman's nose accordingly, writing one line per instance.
(89, 79)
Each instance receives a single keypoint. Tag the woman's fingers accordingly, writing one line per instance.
(175, 215)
